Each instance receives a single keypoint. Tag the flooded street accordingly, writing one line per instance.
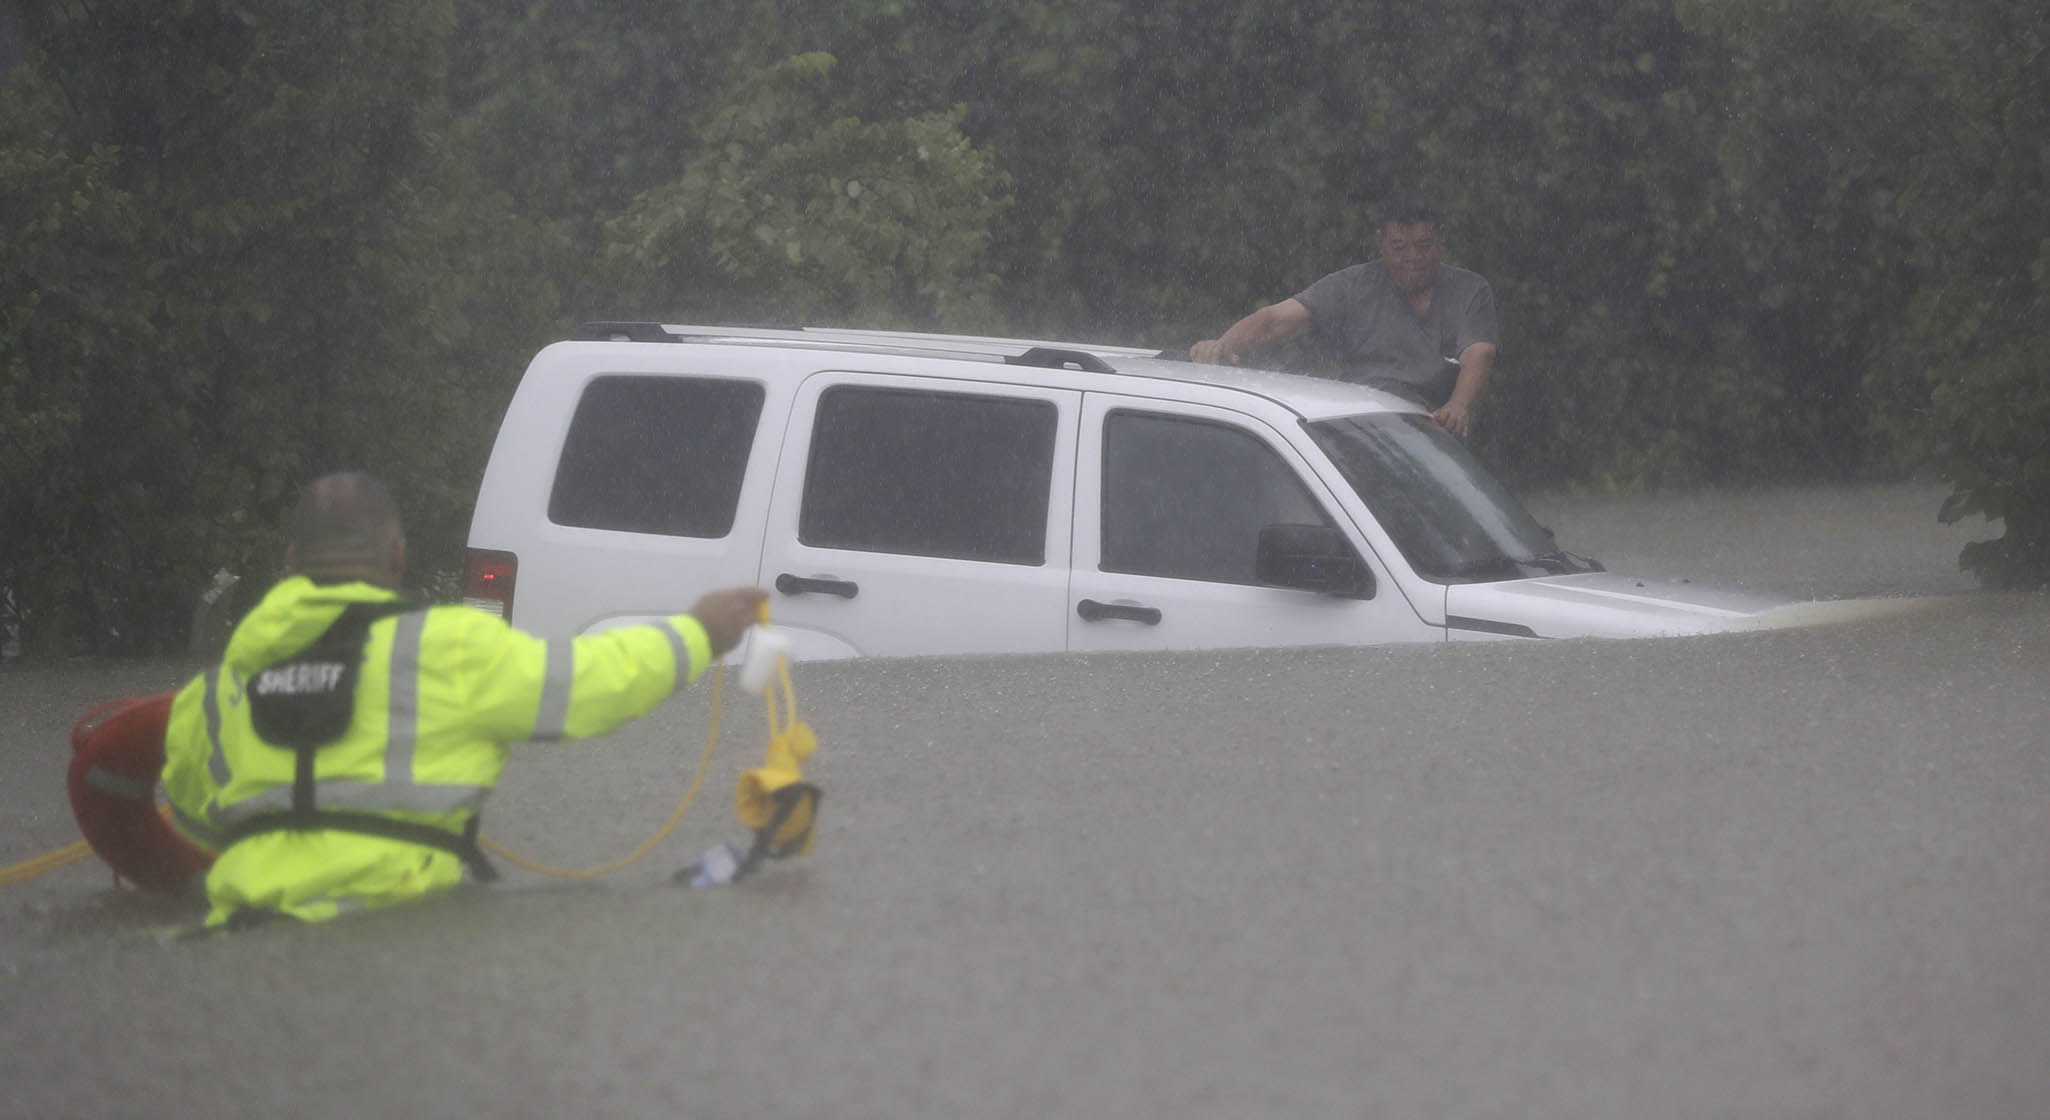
(1787, 874)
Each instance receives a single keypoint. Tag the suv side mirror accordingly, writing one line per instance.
(1312, 558)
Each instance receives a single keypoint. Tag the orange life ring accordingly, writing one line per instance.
(117, 756)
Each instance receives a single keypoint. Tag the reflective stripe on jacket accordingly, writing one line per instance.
(441, 693)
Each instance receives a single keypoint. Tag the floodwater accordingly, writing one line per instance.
(1790, 874)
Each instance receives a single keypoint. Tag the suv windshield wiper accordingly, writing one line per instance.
(1561, 562)
(1486, 567)
(1555, 562)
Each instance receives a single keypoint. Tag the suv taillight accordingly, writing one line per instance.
(488, 581)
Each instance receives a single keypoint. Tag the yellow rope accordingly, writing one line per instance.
(45, 863)
(789, 701)
(689, 795)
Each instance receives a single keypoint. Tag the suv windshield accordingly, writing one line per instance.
(1452, 520)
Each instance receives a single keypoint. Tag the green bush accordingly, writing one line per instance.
(1996, 415)
(791, 213)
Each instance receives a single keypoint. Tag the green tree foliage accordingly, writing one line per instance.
(69, 356)
(1977, 325)
(248, 240)
(1903, 145)
(568, 111)
(260, 241)
(793, 214)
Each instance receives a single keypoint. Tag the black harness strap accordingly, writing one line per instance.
(463, 847)
(304, 703)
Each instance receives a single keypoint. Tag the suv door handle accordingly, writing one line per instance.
(805, 585)
(1093, 611)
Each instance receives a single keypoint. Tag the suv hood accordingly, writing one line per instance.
(1612, 605)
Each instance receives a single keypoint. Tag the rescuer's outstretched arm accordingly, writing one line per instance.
(524, 687)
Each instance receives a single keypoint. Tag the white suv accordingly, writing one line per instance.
(908, 494)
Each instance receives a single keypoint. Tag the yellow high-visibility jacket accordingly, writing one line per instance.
(439, 694)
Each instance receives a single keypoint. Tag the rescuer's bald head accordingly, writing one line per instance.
(347, 526)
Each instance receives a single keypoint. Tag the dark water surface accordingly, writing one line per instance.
(1788, 874)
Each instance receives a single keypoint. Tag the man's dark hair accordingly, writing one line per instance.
(342, 519)
(1406, 209)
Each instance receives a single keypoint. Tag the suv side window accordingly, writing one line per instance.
(929, 474)
(656, 455)
(1186, 498)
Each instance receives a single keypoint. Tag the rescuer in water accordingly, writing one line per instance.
(338, 756)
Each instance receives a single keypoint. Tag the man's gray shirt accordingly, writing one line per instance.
(1361, 319)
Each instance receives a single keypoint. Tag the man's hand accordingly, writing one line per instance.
(727, 614)
(1272, 323)
(1454, 417)
(1475, 362)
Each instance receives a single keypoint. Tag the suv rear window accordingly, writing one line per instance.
(656, 455)
(930, 474)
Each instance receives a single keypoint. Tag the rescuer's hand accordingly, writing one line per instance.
(727, 614)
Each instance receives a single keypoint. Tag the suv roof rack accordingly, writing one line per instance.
(611, 331)
(1049, 357)
(990, 345)
(1036, 353)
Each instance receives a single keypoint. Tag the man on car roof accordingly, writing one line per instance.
(1406, 323)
